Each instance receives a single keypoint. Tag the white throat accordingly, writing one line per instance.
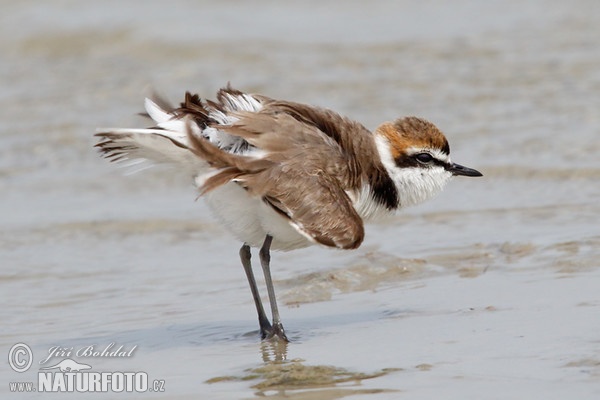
(415, 185)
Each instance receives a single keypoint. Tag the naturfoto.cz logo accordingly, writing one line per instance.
(68, 375)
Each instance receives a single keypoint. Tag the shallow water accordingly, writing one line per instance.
(488, 291)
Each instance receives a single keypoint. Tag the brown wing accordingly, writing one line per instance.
(315, 205)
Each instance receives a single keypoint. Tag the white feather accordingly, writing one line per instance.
(366, 206)
(153, 146)
(249, 219)
(156, 112)
(232, 103)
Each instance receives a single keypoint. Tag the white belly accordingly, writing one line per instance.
(250, 219)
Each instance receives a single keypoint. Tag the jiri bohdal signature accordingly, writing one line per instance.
(92, 351)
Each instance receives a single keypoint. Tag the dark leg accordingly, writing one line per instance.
(263, 321)
(265, 259)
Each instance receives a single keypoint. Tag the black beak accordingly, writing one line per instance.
(457, 169)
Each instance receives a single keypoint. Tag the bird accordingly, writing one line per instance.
(283, 175)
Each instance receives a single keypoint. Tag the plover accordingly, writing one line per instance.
(283, 175)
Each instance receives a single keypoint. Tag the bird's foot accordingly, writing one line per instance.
(275, 332)
(265, 328)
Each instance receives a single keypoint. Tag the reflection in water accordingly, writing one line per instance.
(278, 377)
(274, 350)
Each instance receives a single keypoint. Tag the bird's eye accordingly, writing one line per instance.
(424, 157)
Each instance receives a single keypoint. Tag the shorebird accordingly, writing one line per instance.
(283, 175)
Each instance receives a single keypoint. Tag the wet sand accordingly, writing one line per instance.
(488, 291)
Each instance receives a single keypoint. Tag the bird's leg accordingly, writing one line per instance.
(265, 259)
(265, 326)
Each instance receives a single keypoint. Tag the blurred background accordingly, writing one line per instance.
(90, 254)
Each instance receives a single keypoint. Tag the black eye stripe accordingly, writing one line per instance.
(440, 163)
(412, 161)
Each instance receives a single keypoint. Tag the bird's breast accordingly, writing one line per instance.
(365, 204)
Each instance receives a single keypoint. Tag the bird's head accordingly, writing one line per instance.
(416, 156)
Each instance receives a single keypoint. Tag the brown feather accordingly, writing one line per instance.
(224, 176)
(193, 107)
(218, 158)
(344, 148)
(316, 204)
(306, 186)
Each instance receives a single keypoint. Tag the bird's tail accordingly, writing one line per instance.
(165, 143)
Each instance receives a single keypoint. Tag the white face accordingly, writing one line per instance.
(418, 183)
